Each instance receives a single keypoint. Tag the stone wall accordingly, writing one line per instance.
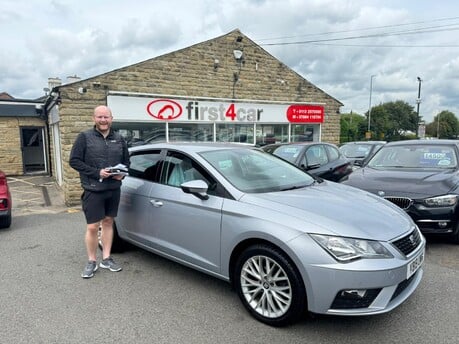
(10, 148)
(192, 72)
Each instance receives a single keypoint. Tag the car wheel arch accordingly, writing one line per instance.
(266, 251)
(245, 244)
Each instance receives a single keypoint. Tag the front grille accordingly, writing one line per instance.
(401, 287)
(408, 243)
(401, 202)
(347, 302)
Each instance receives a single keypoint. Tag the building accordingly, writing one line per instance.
(224, 89)
(24, 136)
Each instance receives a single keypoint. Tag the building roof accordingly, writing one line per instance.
(4, 95)
(20, 108)
(221, 78)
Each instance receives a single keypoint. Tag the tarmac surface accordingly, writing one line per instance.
(37, 194)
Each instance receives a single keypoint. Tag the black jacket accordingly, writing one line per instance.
(91, 152)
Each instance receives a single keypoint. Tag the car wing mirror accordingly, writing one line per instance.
(197, 188)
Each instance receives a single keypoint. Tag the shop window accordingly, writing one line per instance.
(137, 134)
(271, 133)
(303, 133)
(235, 133)
(193, 132)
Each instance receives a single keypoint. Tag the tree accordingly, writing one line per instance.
(351, 124)
(445, 126)
(393, 121)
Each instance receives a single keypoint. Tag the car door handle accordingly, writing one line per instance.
(156, 203)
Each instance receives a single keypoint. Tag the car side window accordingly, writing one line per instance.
(333, 153)
(316, 155)
(145, 165)
(179, 168)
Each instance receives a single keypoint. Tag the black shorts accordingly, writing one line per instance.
(98, 205)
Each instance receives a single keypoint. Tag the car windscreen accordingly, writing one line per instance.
(355, 150)
(254, 171)
(288, 152)
(415, 156)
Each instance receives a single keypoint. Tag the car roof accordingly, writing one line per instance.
(364, 142)
(307, 143)
(192, 147)
(423, 142)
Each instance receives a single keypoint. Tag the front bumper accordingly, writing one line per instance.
(430, 220)
(434, 220)
(384, 283)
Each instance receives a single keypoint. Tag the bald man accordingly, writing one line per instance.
(93, 151)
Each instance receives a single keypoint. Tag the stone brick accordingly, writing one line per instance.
(190, 72)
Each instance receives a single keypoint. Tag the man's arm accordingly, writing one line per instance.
(77, 158)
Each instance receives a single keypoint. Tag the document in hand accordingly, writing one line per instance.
(119, 169)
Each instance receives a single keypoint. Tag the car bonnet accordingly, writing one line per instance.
(335, 209)
(404, 182)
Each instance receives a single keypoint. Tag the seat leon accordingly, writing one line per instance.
(288, 243)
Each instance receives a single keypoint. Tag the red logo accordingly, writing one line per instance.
(305, 113)
(164, 109)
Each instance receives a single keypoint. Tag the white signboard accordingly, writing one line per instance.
(133, 108)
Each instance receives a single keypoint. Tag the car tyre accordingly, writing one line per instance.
(5, 221)
(269, 285)
(455, 235)
(118, 244)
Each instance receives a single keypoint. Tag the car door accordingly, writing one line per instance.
(338, 165)
(134, 218)
(186, 227)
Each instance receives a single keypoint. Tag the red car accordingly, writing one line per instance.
(5, 202)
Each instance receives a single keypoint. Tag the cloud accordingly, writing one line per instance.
(344, 42)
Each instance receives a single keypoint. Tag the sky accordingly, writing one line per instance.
(361, 52)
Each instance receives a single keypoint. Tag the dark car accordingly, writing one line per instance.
(321, 159)
(5, 202)
(359, 152)
(421, 177)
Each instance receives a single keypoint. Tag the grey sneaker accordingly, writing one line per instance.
(89, 269)
(109, 263)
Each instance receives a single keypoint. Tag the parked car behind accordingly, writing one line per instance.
(318, 158)
(359, 152)
(421, 177)
(285, 240)
(5, 202)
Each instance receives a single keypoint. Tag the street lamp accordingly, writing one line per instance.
(418, 102)
(369, 106)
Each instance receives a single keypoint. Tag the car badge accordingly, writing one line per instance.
(381, 193)
(411, 239)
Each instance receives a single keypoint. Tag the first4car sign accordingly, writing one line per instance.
(184, 110)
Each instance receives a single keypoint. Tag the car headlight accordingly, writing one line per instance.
(346, 249)
(441, 201)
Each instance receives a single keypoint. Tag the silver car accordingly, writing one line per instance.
(287, 242)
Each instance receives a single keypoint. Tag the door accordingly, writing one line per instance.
(134, 218)
(187, 227)
(33, 150)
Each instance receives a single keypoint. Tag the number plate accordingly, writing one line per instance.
(415, 264)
